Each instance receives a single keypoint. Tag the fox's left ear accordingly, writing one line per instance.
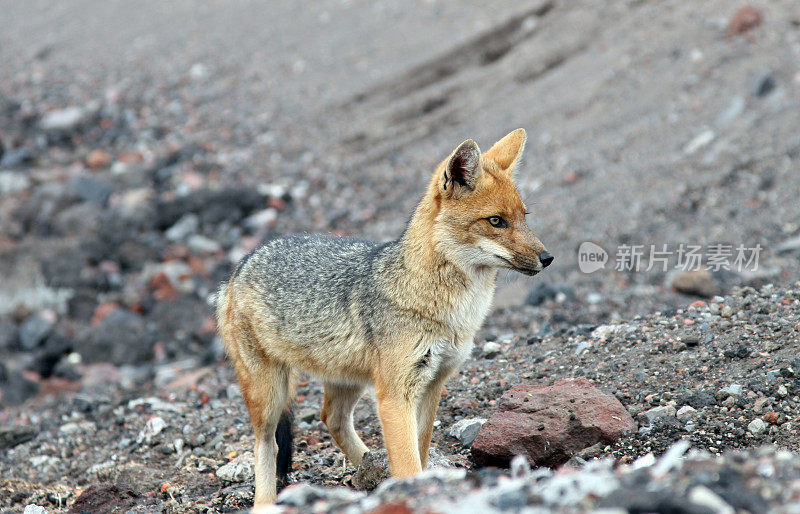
(508, 151)
(462, 169)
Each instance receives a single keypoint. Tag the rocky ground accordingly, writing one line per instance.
(144, 150)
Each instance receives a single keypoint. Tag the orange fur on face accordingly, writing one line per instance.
(463, 214)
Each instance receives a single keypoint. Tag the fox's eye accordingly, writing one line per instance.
(497, 222)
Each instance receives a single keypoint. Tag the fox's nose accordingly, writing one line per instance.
(545, 259)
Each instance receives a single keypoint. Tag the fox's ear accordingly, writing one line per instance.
(508, 151)
(463, 168)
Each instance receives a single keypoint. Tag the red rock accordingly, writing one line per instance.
(130, 157)
(98, 159)
(392, 508)
(549, 424)
(745, 19)
(102, 311)
(276, 203)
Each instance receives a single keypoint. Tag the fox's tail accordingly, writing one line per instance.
(283, 436)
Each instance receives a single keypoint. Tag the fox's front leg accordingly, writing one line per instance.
(426, 415)
(397, 412)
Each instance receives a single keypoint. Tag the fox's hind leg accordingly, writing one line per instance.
(266, 391)
(337, 414)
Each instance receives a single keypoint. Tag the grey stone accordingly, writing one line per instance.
(757, 426)
(16, 157)
(465, 430)
(649, 416)
(187, 225)
(764, 84)
(306, 495)
(491, 350)
(702, 495)
(63, 119)
(374, 468)
(239, 469)
(307, 414)
(9, 334)
(12, 182)
(789, 245)
(732, 390)
(734, 109)
(33, 332)
(201, 244)
(90, 189)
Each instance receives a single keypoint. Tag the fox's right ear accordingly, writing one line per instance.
(462, 168)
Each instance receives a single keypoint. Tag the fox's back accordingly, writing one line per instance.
(316, 289)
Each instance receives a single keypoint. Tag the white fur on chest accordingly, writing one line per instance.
(470, 307)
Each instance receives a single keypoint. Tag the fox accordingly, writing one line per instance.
(397, 317)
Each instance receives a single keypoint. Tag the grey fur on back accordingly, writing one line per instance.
(316, 286)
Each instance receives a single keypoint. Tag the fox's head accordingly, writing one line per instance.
(478, 215)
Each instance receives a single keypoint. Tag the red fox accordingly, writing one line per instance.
(398, 316)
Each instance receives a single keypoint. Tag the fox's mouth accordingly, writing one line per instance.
(525, 271)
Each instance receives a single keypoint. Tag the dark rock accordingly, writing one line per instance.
(173, 318)
(639, 500)
(12, 436)
(56, 347)
(65, 269)
(575, 415)
(121, 338)
(540, 293)
(105, 498)
(82, 219)
(741, 352)
(764, 84)
(212, 206)
(16, 158)
(701, 399)
(90, 189)
(16, 389)
(33, 332)
(9, 335)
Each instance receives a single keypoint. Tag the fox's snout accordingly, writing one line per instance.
(545, 258)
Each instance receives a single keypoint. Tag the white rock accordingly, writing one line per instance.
(239, 469)
(198, 71)
(188, 224)
(260, 219)
(303, 494)
(34, 509)
(699, 141)
(63, 119)
(732, 390)
(465, 430)
(202, 244)
(152, 428)
(491, 349)
(13, 182)
(671, 458)
(657, 412)
(686, 412)
(702, 495)
(757, 426)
